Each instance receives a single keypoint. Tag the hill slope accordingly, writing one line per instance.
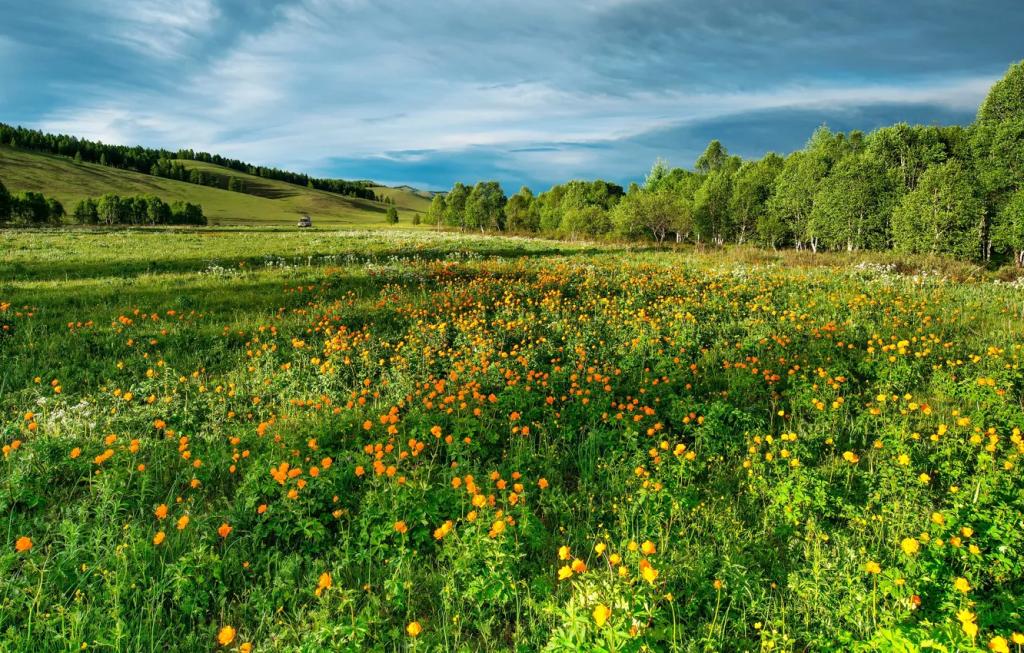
(266, 202)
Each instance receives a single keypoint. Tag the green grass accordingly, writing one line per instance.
(269, 202)
(746, 435)
(406, 198)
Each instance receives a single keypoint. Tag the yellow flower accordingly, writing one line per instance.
(903, 459)
(226, 635)
(563, 553)
(601, 614)
(966, 618)
(910, 546)
(564, 572)
(962, 585)
(414, 628)
(649, 573)
(648, 548)
(999, 645)
(938, 518)
(872, 567)
(1018, 638)
(599, 548)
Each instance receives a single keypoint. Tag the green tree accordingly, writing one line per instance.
(1009, 231)
(157, 211)
(85, 212)
(909, 151)
(1005, 100)
(5, 204)
(657, 213)
(658, 174)
(55, 210)
(110, 209)
(998, 156)
(455, 206)
(711, 207)
(943, 215)
(853, 205)
(392, 215)
(436, 212)
(485, 207)
(752, 186)
(30, 208)
(522, 212)
(715, 157)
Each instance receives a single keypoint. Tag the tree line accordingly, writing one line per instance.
(161, 162)
(28, 208)
(176, 170)
(950, 190)
(33, 209)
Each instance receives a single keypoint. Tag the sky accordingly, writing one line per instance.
(525, 92)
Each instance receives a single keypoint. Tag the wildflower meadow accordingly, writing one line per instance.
(249, 440)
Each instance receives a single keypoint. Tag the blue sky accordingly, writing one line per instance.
(527, 92)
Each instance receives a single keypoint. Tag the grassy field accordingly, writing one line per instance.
(268, 202)
(249, 439)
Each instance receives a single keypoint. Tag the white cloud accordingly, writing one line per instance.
(155, 28)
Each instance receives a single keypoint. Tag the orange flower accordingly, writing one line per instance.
(226, 635)
(182, 522)
(323, 583)
(443, 530)
(159, 538)
(262, 509)
(497, 528)
(23, 544)
(75, 453)
(161, 511)
(224, 530)
(400, 527)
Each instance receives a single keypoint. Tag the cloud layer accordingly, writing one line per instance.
(527, 92)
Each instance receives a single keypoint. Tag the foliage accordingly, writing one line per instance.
(942, 215)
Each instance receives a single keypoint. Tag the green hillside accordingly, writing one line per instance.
(266, 201)
(406, 198)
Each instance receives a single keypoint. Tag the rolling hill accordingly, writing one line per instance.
(266, 201)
